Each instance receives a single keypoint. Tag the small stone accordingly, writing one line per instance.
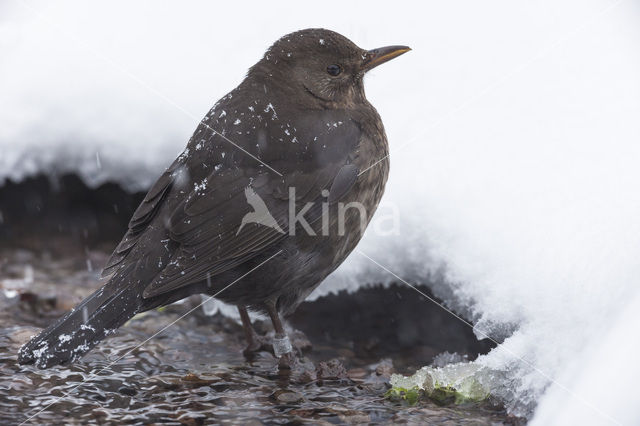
(332, 369)
(190, 377)
(194, 379)
(128, 391)
(286, 396)
(305, 371)
(348, 416)
(385, 368)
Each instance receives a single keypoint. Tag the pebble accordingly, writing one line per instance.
(332, 369)
(286, 396)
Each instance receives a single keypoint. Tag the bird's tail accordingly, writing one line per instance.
(86, 325)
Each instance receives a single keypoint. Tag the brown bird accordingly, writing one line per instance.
(266, 200)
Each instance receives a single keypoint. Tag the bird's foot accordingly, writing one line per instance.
(257, 344)
(287, 361)
(283, 350)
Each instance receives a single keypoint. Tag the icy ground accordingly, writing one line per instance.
(193, 372)
(513, 131)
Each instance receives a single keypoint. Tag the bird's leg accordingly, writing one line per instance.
(255, 343)
(281, 345)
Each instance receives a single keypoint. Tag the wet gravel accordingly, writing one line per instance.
(192, 373)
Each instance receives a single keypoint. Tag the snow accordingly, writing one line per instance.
(64, 338)
(270, 108)
(200, 187)
(618, 353)
(513, 133)
(37, 353)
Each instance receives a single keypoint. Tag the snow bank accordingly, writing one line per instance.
(520, 182)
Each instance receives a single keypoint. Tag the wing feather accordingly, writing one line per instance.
(202, 221)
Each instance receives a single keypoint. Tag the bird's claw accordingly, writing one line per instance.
(287, 361)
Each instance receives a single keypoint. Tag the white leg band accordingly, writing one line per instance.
(281, 346)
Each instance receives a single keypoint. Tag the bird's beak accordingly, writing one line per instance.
(373, 58)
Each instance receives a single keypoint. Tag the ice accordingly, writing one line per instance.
(446, 358)
(10, 294)
(513, 187)
(470, 380)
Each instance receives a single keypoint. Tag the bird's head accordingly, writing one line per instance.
(322, 65)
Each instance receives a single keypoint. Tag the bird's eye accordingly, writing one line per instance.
(334, 69)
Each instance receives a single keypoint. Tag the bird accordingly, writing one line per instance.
(295, 147)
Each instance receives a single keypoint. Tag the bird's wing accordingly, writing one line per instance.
(342, 183)
(141, 218)
(206, 220)
(206, 224)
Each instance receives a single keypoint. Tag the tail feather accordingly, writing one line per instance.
(85, 326)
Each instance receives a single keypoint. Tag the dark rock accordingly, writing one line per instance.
(286, 396)
(128, 391)
(332, 369)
